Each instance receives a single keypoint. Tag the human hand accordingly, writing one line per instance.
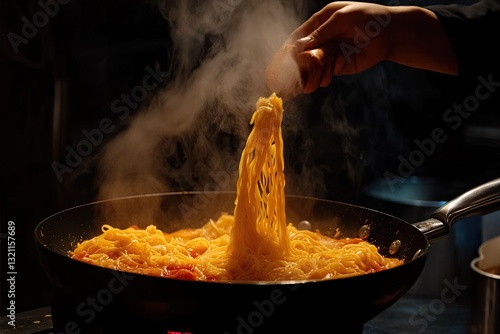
(349, 37)
(342, 38)
(353, 35)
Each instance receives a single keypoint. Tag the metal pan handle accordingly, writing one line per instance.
(478, 201)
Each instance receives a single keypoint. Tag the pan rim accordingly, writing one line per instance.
(39, 233)
(251, 283)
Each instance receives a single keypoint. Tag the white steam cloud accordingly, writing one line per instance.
(190, 135)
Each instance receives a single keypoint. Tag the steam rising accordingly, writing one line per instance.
(190, 135)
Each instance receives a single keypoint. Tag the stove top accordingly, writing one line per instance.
(410, 314)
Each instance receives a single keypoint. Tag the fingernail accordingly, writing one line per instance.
(304, 40)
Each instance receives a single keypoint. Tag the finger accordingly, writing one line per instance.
(316, 20)
(308, 26)
(321, 29)
(311, 65)
(282, 74)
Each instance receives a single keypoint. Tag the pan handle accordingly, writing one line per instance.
(478, 201)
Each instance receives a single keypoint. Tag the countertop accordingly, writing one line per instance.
(421, 314)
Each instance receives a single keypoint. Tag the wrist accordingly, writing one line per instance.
(418, 39)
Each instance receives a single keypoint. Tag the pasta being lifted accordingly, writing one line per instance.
(253, 243)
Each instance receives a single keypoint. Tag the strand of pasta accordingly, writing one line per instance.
(260, 200)
(202, 255)
(253, 244)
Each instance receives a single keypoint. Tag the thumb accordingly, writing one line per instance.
(306, 43)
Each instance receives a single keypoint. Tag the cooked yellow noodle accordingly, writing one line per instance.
(253, 243)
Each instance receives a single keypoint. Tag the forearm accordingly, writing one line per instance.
(418, 39)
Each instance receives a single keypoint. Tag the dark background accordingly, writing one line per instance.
(64, 80)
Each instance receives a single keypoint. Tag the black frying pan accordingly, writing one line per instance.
(92, 299)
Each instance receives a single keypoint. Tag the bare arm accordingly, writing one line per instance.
(419, 40)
